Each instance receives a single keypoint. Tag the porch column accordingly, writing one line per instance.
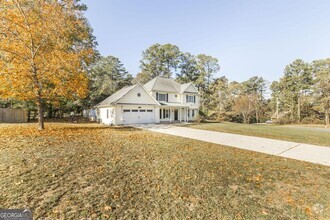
(180, 114)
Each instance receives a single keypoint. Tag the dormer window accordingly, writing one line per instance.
(162, 97)
(190, 99)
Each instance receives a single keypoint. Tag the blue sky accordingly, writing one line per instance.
(249, 37)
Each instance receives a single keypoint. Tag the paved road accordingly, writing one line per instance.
(298, 151)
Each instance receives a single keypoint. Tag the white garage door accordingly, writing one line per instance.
(138, 116)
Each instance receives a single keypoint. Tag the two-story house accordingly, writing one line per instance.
(159, 100)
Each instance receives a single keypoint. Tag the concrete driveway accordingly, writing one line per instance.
(298, 151)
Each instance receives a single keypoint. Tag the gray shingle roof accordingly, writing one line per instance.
(184, 86)
(157, 84)
(163, 84)
(116, 96)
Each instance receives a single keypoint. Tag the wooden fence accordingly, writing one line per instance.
(13, 115)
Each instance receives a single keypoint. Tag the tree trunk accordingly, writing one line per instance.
(257, 116)
(244, 118)
(220, 110)
(292, 108)
(40, 114)
(28, 115)
(55, 113)
(50, 111)
(326, 118)
(202, 101)
(277, 108)
(298, 109)
(38, 95)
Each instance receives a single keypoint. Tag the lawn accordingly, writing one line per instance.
(74, 171)
(300, 134)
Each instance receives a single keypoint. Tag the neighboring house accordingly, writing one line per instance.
(159, 100)
(90, 114)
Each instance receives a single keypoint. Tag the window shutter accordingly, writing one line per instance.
(186, 98)
(157, 96)
(166, 97)
(194, 99)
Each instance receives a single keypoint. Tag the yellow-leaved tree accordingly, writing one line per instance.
(45, 47)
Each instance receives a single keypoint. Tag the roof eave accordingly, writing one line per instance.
(104, 106)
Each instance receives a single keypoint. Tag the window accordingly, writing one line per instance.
(107, 113)
(190, 98)
(163, 113)
(142, 110)
(192, 113)
(162, 97)
(149, 110)
(188, 113)
(135, 110)
(167, 115)
(127, 110)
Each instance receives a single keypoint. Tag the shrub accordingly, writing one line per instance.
(312, 120)
(284, 120)
(201, 117)
(215, 116)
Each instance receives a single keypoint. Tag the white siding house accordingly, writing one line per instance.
(159, 100)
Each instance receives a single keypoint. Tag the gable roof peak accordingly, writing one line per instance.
(116, 96)
(189, 88)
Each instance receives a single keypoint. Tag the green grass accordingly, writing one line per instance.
(300, 134)
(91, 171)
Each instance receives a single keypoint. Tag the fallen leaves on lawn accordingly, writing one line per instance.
(92, 171)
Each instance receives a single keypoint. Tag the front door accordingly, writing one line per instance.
(176, 114)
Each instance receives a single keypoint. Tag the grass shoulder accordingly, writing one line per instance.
(310, 134)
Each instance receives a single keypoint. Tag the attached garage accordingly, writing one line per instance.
(130, 105)
(138, 116)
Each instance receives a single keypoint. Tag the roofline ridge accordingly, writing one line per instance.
(111, 95)
(132, 86)
(152, 88)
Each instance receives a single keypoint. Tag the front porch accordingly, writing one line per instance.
(168, 113)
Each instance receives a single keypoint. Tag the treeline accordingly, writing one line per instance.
(54, 69)
(301, 95)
